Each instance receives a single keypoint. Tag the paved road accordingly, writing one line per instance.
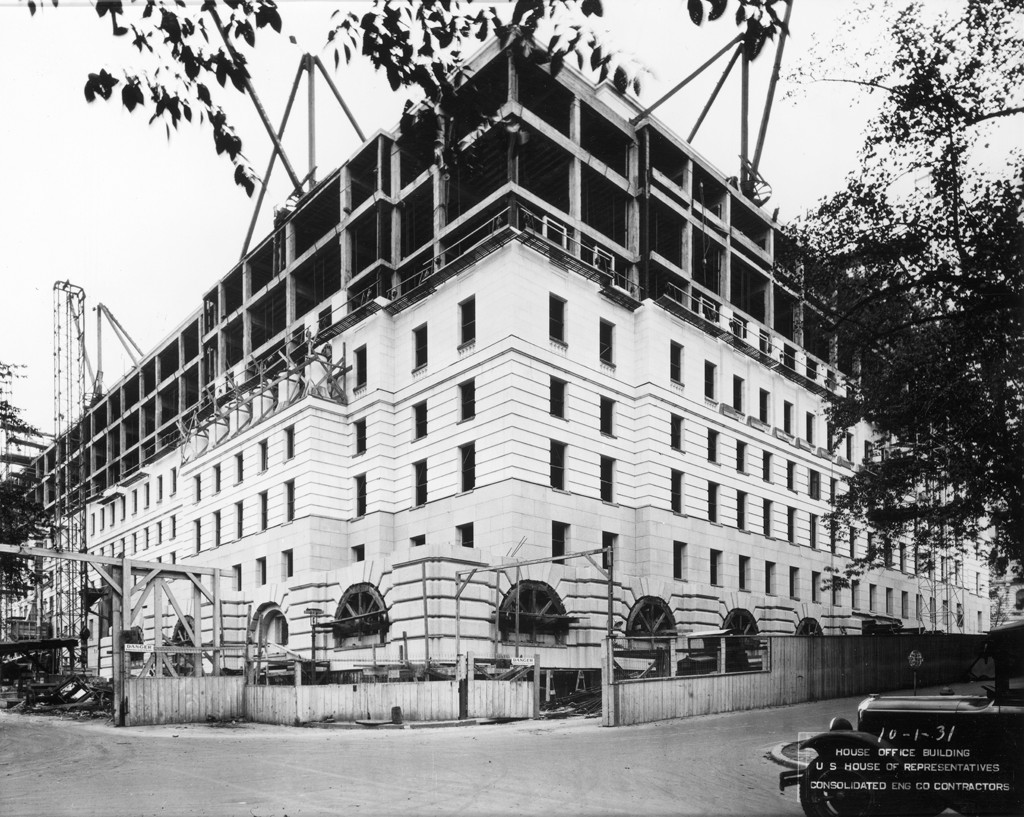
(712, 765)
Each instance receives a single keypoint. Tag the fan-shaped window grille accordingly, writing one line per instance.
(651, 617)
(361, 617)
(808, 626)
(740, 622)
(532, 612)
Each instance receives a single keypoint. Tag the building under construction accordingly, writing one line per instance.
(401, 417)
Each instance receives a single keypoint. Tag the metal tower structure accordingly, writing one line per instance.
(69, 403)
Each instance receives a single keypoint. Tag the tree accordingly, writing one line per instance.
(21, 519)
(200, 52)
(916, 266)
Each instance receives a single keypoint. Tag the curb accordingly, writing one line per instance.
(777, 755)
(396, 726)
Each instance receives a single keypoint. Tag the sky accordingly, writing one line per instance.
(147, 224)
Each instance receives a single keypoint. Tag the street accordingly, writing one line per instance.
(713, 765)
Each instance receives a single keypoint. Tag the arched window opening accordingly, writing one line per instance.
(361, 617)
(651, 618)
(740, 622)
(808, 626)
(532, 613)
(274, 628)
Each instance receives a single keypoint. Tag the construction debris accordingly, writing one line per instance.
(74, 693)
(582, 703)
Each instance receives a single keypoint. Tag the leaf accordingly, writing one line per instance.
(131, 96)
(245, 179)
(696, 11)
(557, 62)
(592, 8)
(99, 85)
(620, 79)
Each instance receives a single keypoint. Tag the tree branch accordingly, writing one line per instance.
(994, 115)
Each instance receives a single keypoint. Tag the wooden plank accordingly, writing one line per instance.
(189, 630)
(191, 574)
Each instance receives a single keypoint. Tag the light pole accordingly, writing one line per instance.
(314, 614)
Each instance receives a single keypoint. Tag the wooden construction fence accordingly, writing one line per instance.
(801, 669)
(426, 701)
(503, 699)
(420, 701)
(193, 699)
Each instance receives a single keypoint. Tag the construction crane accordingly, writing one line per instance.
(72, 396)
(66, 596)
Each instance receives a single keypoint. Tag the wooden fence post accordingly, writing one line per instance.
(462, 677)
(536, 685)
(609, 713)
(298, 686)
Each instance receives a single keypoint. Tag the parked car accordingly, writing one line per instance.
(921, 755)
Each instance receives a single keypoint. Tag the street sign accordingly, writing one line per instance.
(915, 659)
(522, 661)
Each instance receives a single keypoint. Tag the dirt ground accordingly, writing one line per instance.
(713, 766)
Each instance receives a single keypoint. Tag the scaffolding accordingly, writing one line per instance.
(67, 578)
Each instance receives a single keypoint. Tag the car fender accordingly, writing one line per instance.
(826, 743)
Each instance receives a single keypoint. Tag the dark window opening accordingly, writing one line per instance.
(556, 318)
(607, 479)
(467, 321)
(420, 480)
(557, 398)
(558, 451)
(419, 342)
(607, 342)
(559, 539)
(467, 400)
(607, 416)
(467, 457)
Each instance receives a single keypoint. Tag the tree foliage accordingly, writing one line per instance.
(199, 53)
(21, 519)
(917, 263)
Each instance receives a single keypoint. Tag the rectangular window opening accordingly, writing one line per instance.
(558, 451)
(467, 321)
(419, 420)
(289, 500)
(608, 416)
(467, 459)
(606, 334)
(559, 541)
(710, 376)
(679, 560)
(419, 345)
(420, 482)
(607, 479)
(467, 400)
(675, 363)
(557, 399)
(556, 318)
